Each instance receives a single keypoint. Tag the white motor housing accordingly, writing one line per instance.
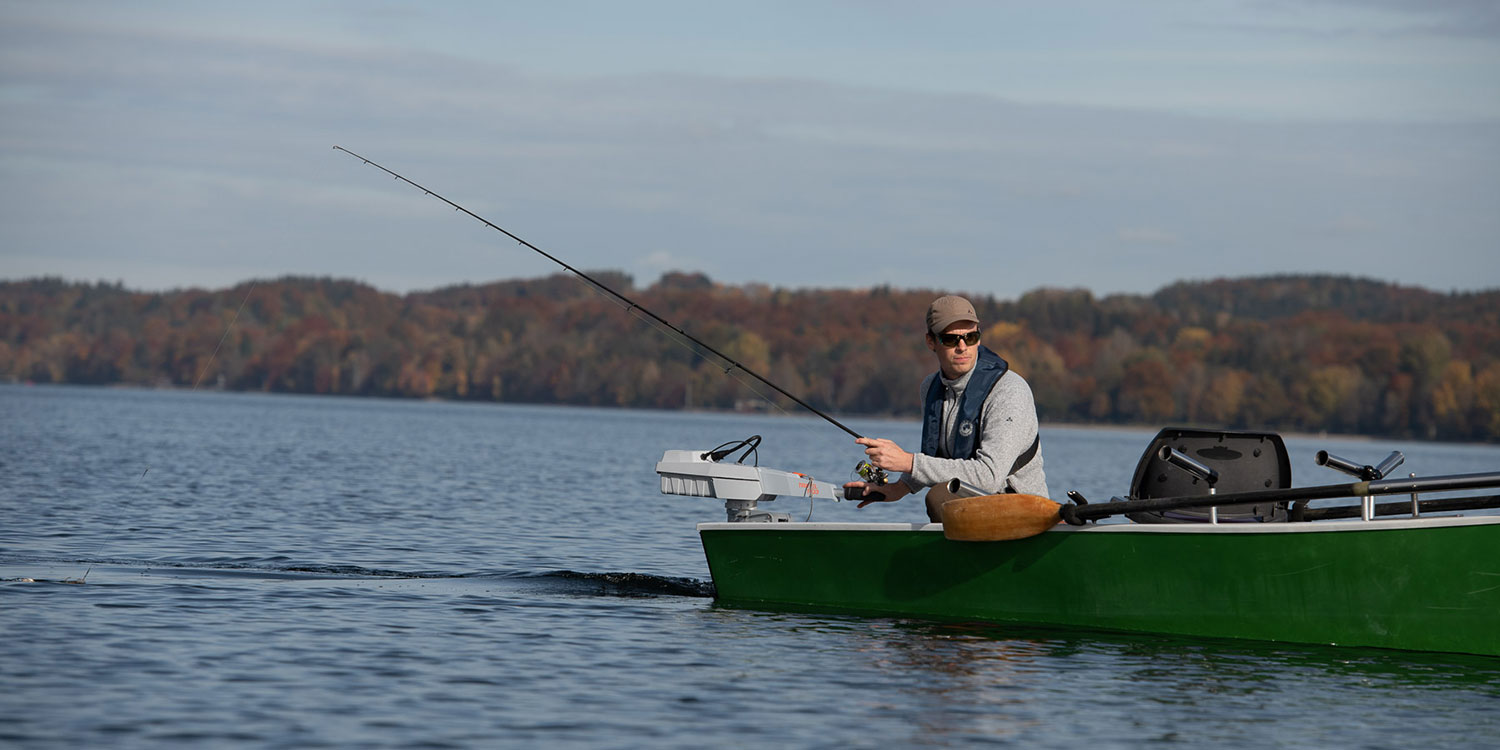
(689, 472)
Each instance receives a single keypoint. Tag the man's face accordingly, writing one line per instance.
(960, 358)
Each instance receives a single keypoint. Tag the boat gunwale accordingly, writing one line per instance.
(1304, 527)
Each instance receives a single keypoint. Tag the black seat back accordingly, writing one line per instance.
(1245, 461)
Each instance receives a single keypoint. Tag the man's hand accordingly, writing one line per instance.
(886, 454)
(889, 492)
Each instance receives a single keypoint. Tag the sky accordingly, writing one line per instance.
(971, 147)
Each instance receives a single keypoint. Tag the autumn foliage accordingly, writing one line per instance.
(1308, 353)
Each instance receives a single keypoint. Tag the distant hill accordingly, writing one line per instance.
(1306, 353)
(1273, 297)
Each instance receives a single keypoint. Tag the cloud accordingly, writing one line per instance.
(163, 158)
(1369, 19)
(1146, 236)
(1455, 18)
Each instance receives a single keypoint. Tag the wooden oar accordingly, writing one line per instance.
(995, 518)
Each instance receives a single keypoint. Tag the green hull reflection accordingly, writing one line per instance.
(1426, 585)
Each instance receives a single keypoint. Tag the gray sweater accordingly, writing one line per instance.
(1007, 427)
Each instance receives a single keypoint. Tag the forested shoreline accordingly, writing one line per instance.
(1303, 353)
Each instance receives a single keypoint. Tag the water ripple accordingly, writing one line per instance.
(308, 572)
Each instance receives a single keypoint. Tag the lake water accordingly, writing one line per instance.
(301, 571)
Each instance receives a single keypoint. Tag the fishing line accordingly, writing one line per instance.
(201, 372)
(215, 352)
(671, 335)
(673, 332)
(227, 329)
(867, 474)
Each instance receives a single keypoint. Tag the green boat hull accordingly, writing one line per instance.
(1420, 584)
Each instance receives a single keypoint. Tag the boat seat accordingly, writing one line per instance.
(1245, 461)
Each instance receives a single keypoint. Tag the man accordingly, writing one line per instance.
(978, 419)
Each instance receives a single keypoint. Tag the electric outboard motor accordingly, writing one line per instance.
(698, 473)
(1234, 461)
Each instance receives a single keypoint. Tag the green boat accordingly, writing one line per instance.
(1219, 545)
(1254, 562)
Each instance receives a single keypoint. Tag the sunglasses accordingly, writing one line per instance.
(951, 340)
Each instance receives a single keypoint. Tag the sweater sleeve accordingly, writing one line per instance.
(912, 485)
(1008, 426)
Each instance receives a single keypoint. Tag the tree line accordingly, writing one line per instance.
(1304, 353)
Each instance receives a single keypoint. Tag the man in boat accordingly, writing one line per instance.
(979, 421)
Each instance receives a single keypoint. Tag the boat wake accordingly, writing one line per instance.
(20, 569)
(622, 584)
(220, 567)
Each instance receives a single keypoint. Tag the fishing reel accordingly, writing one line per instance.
(872, 473)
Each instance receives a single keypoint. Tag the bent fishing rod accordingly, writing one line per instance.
(630, 304)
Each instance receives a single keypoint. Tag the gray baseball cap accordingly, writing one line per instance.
(945, 311)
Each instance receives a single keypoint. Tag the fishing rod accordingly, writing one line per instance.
(874, 474)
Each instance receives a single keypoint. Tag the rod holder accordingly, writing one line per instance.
(1324, 458)
(1364, 472)
(960, 488)
(1384, 468)
(1189, 464)
(1196, 468)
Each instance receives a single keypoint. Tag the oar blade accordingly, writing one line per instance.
(997, 518)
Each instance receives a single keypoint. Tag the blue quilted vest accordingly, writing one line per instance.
(987, 372)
